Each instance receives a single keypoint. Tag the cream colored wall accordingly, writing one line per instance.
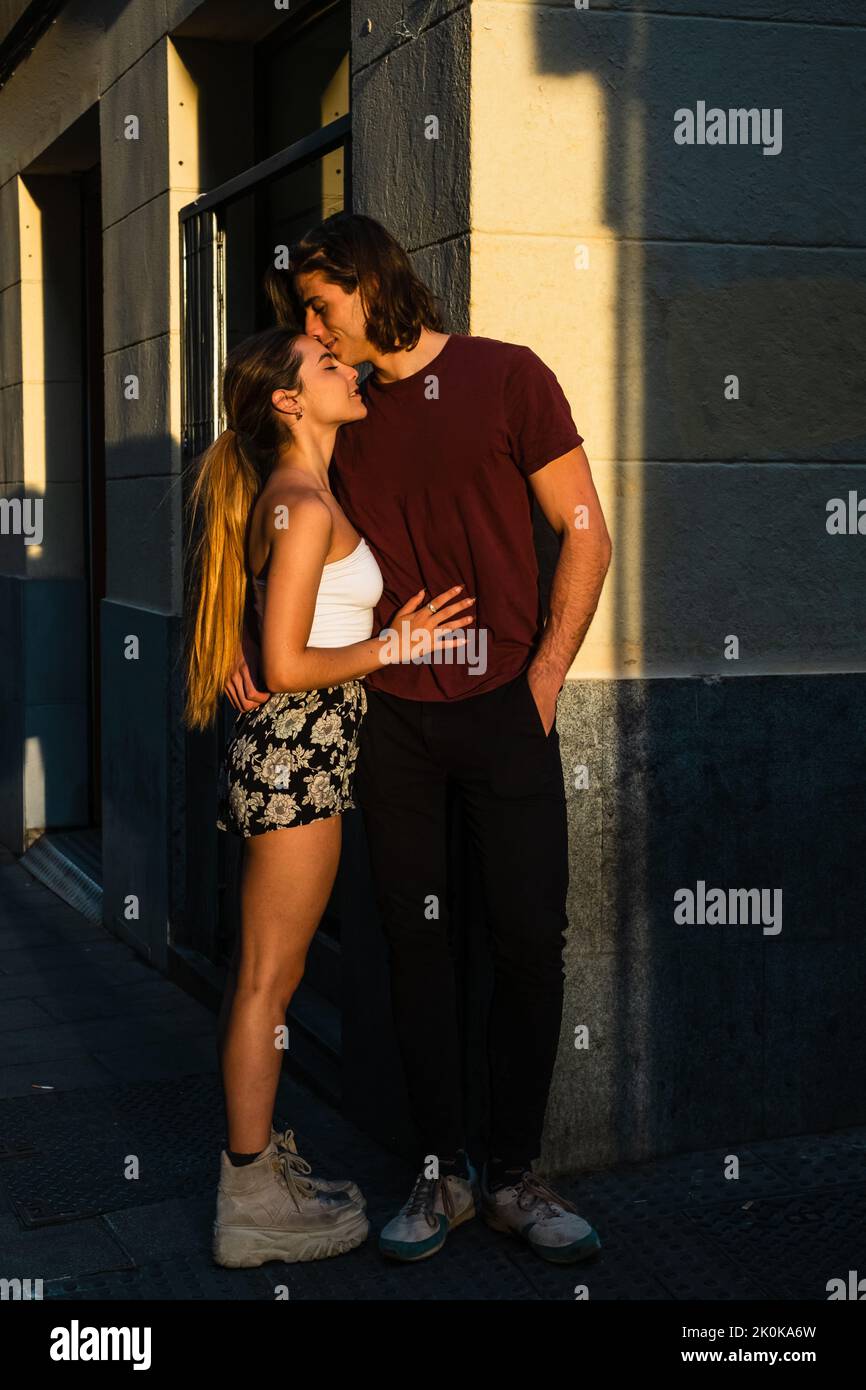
(571, 116)
(12, 552)
(538, 167)
(335, 103)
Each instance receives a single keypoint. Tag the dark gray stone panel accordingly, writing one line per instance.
(418, 187)
(137, 816)
(711, 1034)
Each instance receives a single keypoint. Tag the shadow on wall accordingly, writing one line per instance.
(730, 263)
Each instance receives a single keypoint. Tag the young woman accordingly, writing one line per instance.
(265, 512)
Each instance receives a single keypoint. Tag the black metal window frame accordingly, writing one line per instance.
(203, 251)
(17, 45)
(304, 151)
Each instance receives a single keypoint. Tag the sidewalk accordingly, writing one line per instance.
(132, 1065)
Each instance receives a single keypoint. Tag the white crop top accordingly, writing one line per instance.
(348, 592)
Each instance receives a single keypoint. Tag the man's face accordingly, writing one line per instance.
(335, 318)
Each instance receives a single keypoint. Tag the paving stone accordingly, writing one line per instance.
(792, 1244)
(25, 960)
(185, 1277)
(26, 936)
(22, 1014)
(94, 976)
(163, 1229)
(28, 1078)
(816, 1160)
(671, 1182)
(57, 1252)
(160, 1059)
(149, 994)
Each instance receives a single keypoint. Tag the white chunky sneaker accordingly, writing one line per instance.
(533, 1212)
(286, 1142)
(269, 1210)
(435, 1207)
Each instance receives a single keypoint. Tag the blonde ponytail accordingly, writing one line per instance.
(220, 503)
(229, 478)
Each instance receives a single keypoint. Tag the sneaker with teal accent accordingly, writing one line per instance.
(533, 1212)
(435, 1207)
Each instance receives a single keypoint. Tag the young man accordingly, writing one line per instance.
(461, 432)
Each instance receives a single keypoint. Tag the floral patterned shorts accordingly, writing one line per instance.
(292, 760)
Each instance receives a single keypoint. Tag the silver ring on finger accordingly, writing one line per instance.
(432, 607)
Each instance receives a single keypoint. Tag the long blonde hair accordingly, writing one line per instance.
(230, 475)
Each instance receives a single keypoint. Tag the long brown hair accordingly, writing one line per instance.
(230, 475)
(358, 253)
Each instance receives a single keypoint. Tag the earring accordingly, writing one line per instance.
(300, 415)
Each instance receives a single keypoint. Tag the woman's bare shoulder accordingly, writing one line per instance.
(294, 499)
(283, 506)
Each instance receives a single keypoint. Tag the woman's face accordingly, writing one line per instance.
(330, 393)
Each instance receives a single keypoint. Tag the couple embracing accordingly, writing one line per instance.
(367, 597)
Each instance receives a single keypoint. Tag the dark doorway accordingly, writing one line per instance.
(93, 452)
(64, 183)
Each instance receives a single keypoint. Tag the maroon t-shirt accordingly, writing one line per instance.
(435, 479)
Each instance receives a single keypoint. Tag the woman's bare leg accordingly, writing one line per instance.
(286, 881)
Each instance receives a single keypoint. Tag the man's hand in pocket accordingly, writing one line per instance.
(545, 693)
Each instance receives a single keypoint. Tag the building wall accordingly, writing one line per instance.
(42, 596)
(12, 553)
(117, 60)
(417, 186)
(189, 140)
(554, 133)
(645, 272)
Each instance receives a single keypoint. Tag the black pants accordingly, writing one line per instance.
(509, 775)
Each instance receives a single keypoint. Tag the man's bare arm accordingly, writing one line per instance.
(566, 494)
(243, 689)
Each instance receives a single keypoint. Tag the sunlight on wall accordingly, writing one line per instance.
(34, 785)
(335, 103)
(547, 270)
(33, 321)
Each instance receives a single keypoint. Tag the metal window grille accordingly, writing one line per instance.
(204, 330)
(204, 267)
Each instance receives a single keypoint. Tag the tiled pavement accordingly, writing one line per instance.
(131, 1066)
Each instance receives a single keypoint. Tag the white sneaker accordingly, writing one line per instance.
(435, 1207)
(285, 1142)
(268, 1210)
(533, 1212)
